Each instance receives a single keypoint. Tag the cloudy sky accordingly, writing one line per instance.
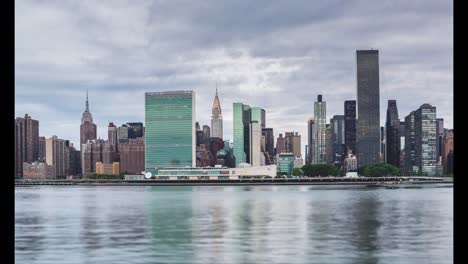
(278, 55)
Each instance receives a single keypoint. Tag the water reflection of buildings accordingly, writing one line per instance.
(29, 236)
(230, 228)
(170, 218)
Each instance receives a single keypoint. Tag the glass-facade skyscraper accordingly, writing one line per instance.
(426, 139)
(241, 127)
(392, 134)
(350, 125)
(410, 145)
(248, 123)
(258, 114)
(338, 137)
(170, 129)
(310, 140)
(368, 107)
(320, 113)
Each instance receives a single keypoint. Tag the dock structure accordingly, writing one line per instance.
(372, 181)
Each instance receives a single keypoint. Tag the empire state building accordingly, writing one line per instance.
(216, 118)
(88, 129)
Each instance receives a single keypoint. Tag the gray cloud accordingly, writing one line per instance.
(274, 54)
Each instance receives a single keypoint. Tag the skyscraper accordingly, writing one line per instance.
(350, 125)
(108, 154)
(72, 160)
(426, 140)
(55, 155)
(206, 135)
(135, 129)
(288, 142)
(329, 144)
(216, 118)
(88, 130)
(198, 134)
(255, 143)
(258, 114)
(368, 107)
(132, 156)
(320, 113)
(337, 124)
(42, 149)
(280, 144)
(410, 145)
(112, 135)
(440, 139)
(26, 142)
(241, 132)
(269, 143)
(122, 134)
(402, 145)
(382, 145)
(447, 151)
(170, 129)
(90, 154)
(392, 134)
(310, 147)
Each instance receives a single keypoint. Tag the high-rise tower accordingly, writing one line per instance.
(170, 130)
(350, 125)
(216, 118)
(320, 113)
(88, 130)
(392, 134)
(26, 142)
(368, 107)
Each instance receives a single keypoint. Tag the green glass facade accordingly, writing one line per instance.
(286, 163)
(241, 122)
(170, 129)
(258, 114)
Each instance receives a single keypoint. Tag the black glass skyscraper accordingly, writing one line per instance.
(310, 140)
(368, 107)
(269, 141)
(350, 125)
(410, 145)
(392, 133)
(337, 124)
(135, 129)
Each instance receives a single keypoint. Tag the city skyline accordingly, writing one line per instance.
(52, 75)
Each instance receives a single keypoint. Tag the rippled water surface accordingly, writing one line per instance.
(233, 224)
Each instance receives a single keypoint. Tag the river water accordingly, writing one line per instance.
(233, 224)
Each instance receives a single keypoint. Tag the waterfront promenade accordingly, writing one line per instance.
(372, 181)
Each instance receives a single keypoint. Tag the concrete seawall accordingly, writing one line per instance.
(372, 181)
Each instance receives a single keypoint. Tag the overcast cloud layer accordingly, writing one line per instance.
(278, 55)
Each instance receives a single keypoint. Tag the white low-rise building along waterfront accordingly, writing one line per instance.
(213, 173)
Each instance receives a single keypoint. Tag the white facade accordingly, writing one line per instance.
(319, 137)
(55, 155)
(269, 170)
(298, 162)
(255, 144)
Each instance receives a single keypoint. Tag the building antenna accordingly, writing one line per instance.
(87, 104)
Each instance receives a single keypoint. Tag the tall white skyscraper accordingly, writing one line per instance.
(320, 113)
(255, 143)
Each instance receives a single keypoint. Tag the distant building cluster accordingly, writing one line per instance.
(418, 144)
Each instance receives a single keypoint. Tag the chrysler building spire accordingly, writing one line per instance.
(216, 117)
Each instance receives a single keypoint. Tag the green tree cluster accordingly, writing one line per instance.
(296, 172)
(320, 170)
(379, 170)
